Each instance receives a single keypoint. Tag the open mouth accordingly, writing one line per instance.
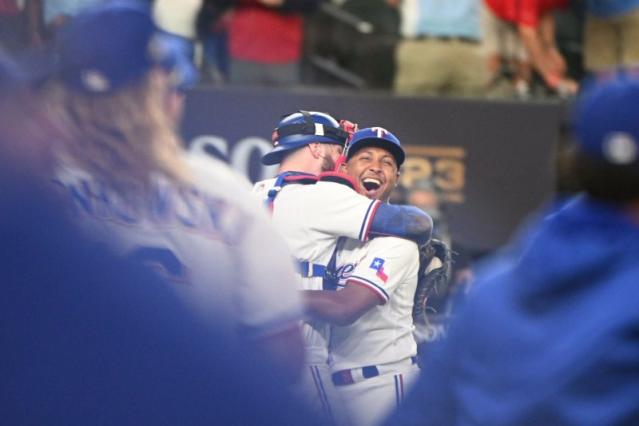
(371, 185)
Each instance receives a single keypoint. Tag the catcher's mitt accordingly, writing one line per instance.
(434, 275)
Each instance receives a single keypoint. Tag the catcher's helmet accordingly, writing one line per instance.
(606, 122)
(302, 128)
(377, 137)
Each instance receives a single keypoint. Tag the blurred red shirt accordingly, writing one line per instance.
(524, 12)
(260, 34)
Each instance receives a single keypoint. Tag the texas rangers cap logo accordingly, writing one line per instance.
(378, 265)
(380, 131)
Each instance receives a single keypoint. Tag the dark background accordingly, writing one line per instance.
(508, 145)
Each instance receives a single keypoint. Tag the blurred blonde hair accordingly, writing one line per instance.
(122, 138)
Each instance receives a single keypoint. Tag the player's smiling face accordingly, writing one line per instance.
(375, 170)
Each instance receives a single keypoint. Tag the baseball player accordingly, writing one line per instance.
(372, 348)
(122, 169)
(312, 210)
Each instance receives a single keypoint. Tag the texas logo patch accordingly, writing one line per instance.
(378, 265)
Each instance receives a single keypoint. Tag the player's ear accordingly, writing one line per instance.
(315, 149)
(343, 168)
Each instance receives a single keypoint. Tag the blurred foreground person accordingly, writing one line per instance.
(123, 169)
(91, 339)
(549, 334)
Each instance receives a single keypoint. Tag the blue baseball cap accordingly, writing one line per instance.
(377, 137)
(606, 122)
(113, 45)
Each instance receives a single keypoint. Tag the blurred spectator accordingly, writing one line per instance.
(213, 30)
(548, 334)
(569, 32)
(372, 55)
(91, 339)
(528, 25)
(440, 53)
(265, 41)
(46, 17)
(11, 26)
(611, 35)
(186, 218)
(424, 194)
(508, 68)
(398, 195)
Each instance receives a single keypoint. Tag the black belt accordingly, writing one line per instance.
(345, 377)
(460, 39)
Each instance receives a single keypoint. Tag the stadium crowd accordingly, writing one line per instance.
(416, 47)
(146, 285)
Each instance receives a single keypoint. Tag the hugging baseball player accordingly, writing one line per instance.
(313, 207)
(372, 348)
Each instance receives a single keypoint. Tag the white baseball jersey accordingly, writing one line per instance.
(383, 336)
(311, 218)
(211, 239)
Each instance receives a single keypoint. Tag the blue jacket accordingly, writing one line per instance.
(549, 334)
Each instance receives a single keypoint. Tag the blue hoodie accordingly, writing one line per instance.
(549, 335)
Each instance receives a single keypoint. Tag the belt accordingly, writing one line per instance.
(355, 375)
(460, 39)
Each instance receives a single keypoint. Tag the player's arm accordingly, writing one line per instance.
(340, 307)
(387, 263)
(402, 221)
(338, 210)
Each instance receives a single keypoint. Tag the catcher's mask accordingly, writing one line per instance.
(302, 128)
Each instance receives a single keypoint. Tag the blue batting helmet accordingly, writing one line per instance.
(302, 128)
(606, 122)
(377, 137)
